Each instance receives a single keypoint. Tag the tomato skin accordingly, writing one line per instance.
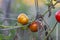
(34, 26)
(23, 18)
(57, 16)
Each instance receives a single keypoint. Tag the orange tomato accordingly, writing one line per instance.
(34, 26)
(23, 18)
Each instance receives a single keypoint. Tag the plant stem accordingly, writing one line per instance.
(48, 10)
(46, 24)
(45, 12)
(51, 31)
(37, 9)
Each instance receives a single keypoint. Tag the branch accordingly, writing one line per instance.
(51, 31)
(46, 24)
(48, 10)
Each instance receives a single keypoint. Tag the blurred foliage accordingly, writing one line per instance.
(1, 10)
(21, 7)
(10, 36)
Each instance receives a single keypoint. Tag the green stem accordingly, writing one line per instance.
(51, 30)
(45, 12)
(11, 27)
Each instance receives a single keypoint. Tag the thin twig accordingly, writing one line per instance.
(8, 18)
(8, 27)
(46, 24)
(48, 10)
(51, 31)
(37, 8)
(45, 12)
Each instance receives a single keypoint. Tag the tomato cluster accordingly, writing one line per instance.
(23, 19)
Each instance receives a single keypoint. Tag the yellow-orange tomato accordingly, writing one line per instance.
(34, 26)
(23, 18)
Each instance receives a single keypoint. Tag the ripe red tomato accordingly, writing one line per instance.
(57, 16)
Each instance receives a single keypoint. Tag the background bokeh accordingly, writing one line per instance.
(14, 7)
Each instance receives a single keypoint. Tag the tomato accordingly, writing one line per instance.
(34, 26)
(23, 18)
(57, 16)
